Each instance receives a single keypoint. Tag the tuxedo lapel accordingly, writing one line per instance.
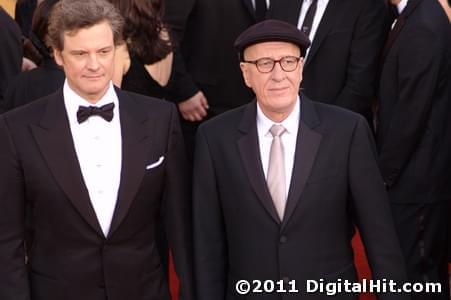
(331, 15)
(250, 156)
(54, 139)
(136, 144)
(307, 145)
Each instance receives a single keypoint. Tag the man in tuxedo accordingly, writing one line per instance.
(347, 38)
(97, 166)
(280, 208)
(413, 136)
(207, 80)
(10, 51)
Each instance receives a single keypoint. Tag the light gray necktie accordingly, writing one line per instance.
(276, 170)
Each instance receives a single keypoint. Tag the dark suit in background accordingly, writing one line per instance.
(205, 31)
(24, 15)
(34, 84)
(414, 139)
(10, 51)
(71, 258)
(237, 232)
(342, 63)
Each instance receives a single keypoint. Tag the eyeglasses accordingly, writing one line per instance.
(266, 64)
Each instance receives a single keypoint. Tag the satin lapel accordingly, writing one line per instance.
(307, 145)
(399, 25)
(54, 139)
(136, 128)
(249, 7)
(331, 15)
(250, 156)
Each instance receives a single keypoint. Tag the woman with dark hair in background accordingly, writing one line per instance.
(144, 61)
(48, 77)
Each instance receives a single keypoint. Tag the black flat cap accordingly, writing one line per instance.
(272, 31)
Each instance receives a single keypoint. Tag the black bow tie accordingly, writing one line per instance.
(105, 111)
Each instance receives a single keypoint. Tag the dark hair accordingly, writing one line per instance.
(73, 15)
(35, 46)
(144, 30)
(40, 26)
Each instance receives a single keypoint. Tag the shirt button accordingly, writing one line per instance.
(100, 192)
(97, 138)
(98, 165)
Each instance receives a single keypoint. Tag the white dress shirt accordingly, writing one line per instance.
(267, 3)
(401, 5)
(291, 124)
(320, 9)
(98, 144)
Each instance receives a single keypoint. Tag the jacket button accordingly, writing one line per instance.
(283, 239)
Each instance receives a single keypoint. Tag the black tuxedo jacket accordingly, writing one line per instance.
(414, 139)
(237, 233)
(205, 31)
(342, 62)
(70, 258)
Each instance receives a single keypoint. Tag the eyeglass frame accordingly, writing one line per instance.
(274, 61)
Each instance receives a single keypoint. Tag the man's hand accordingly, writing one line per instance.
(194, 108)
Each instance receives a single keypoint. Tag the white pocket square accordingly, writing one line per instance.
(155, 164)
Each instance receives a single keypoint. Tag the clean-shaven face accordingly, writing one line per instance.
(276, 91)
(88, 60)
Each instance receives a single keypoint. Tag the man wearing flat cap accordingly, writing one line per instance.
(280, 183)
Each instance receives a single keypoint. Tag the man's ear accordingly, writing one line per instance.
(245, 71)
(58, 57)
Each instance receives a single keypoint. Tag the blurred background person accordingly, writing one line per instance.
(10, 51)
(48, 76)
(207, 79)
(24, 14)
(413, 137)
(347, 40)
(144, 60)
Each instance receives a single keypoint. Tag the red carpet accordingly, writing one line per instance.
(360, 260)
(363, 268)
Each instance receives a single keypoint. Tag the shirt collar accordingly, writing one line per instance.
(291, 123)
(72, 101)
(401, 5)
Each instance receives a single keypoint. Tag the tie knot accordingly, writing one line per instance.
(277, 130)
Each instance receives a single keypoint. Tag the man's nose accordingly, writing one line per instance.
(277, 72)
(93, 62)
